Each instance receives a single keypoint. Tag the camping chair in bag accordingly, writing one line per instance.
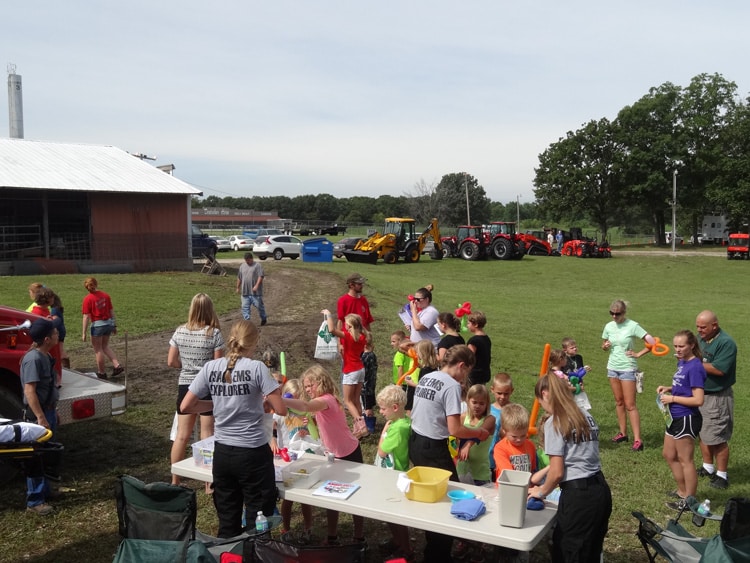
(155, 511)
(675, 543)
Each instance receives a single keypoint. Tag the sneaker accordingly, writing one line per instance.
(678, 505)
(639, 381)
(117, 371)
(263, 322)
(620, 438)
(43, 509)
(702, 472)
(637, 446)
(718, 482)
(673, 494)
(102, 375)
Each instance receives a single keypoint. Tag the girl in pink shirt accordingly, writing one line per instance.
(353, 340)
(334, 432)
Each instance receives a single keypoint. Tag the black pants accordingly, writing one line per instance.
(582, 520)
(242, 476)
(427, 452)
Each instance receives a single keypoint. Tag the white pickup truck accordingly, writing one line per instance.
(82, 396)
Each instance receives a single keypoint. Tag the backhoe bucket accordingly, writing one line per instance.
(361, 256)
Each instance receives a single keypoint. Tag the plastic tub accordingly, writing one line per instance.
(428, 484)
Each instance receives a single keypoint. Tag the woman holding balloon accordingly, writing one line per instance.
(618, 339)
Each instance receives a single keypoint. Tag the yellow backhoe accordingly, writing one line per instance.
(398, 240)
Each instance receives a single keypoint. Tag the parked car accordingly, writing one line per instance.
(703, 238)
(668, 238)
(277, 246)
(347, 243)
(240, 242)
(202, 244)
(222, 244)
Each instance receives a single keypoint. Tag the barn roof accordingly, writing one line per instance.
(43, 165)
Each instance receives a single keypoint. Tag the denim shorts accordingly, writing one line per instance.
(627, 375)
(102, 330)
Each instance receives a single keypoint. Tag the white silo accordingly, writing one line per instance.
(15, 103)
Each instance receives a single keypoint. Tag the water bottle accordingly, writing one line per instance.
(261, 523)
(704, 509)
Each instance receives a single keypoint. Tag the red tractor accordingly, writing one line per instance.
(578, 245)
(504, 242)
(468, 243)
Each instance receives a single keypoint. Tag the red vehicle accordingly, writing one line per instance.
(468, 243)
(82, 396)
(738, 247)
(504, 242)
(535, 246)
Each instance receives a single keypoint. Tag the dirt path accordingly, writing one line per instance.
(293, 301)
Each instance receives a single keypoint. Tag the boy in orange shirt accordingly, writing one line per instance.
(515, 450)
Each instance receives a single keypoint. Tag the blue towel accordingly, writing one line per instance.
(469, 509)
(535, 504)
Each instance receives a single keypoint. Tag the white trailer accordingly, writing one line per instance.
(714, 230)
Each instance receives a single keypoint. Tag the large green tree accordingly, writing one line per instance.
(580, 175)
(730, 189)
(451, 194)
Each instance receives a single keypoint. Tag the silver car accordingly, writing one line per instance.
(277, 246)
(222, 244)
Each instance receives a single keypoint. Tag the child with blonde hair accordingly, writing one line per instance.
(287, 428)
(501, 389)
(334, 432)
(473, 454)
(394, 448)
(352, 339)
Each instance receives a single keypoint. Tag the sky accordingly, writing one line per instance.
(351, 98)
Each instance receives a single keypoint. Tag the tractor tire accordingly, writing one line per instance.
(469, 251)
(448, 250)
(390, 258)
(519, 251)
(11, 405)
(501, 249)
(579, 252)
(568, 251)
(411, 254)
(435, 255)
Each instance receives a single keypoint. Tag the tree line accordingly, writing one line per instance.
(608, 173)
(622, 172)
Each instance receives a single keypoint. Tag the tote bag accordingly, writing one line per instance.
(326, 345)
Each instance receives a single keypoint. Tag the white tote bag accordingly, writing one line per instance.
(326, 345)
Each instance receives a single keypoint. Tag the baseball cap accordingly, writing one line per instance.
(355, 278)
(41, 329)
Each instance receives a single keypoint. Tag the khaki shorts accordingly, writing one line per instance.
(718, 417)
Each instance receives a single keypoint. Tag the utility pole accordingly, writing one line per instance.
(466, 189)
(674, 208)
(518, 214)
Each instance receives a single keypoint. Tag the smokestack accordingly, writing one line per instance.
(15, 103)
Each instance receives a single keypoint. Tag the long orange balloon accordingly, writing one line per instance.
(542, 372)
(412, 353)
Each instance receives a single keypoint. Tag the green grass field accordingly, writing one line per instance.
(528, 303)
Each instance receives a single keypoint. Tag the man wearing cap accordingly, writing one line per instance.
(354, 302)
(250, 287)
(40, 394)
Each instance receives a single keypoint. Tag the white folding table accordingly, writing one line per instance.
(379, 498)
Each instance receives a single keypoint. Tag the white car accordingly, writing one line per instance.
(222, 244)
(277, 246)
(240, 242)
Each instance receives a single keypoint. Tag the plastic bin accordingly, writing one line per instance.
(203, 452)
(428, 484)
(318, 249)
(513, 488)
